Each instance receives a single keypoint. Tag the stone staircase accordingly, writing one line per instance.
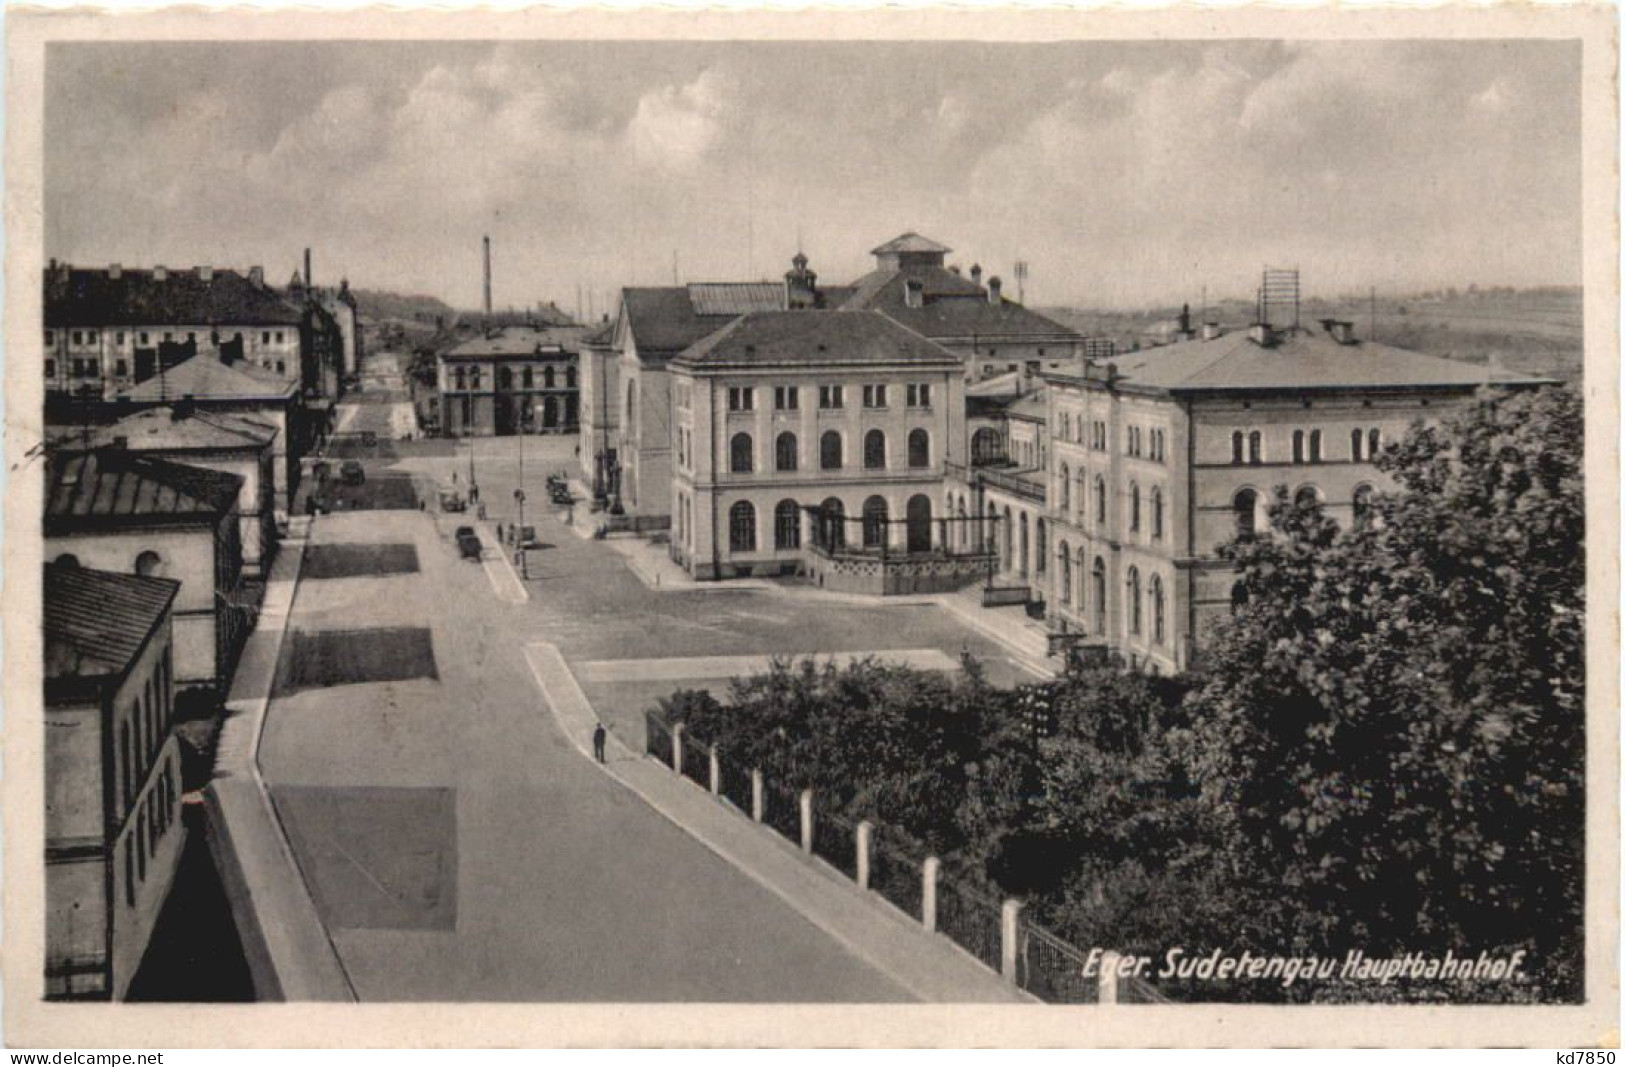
(1027, 638)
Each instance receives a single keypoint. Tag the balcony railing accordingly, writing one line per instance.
(1029, 484)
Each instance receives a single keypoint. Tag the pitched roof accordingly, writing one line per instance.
(954, 306)
(1300, 359)
(664, 321)
(735, 298)
(96, 622)
(80, 297)
(601, 335)
(513, 341)
(203, 377)
(831, 338)
(910, 242)
(96, 490)
(174, 427)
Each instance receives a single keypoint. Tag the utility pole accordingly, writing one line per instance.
(1373, 312)
(519, 495)
(1021, 281)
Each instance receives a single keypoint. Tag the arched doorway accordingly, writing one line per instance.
(919, 523)
(1023, 557)
(874, 522)
(550, 413)
(832, 521)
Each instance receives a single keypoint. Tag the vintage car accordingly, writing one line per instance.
(352, 473)
(468, 543)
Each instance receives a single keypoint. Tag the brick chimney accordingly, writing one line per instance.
(914, 293)
(976, 273)
(115, 272)
(160, 273)
(256, 277)
(994, 294)
(205, 273)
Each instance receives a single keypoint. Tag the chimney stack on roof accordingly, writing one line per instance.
(256, 277)
(115, 272)
(205, 273)
(994, 295)
(976, 273)
(487, 248)
(310, 279)
(160, 273)
(914, 293)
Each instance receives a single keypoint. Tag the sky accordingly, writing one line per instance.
(1122, 173)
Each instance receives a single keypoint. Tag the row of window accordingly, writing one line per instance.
(876, 518)
(152, 822)
(831, 449)
(1307, 447)
(1248, 520)
(1136, 599)
(830, 397)
(1152, 445)
(142, 734)
(1152, 502)
(469, 378)
(143, 337)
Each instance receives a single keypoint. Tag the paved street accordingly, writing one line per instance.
(456, 844)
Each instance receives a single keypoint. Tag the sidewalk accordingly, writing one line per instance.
(929, 966)
(289, 952)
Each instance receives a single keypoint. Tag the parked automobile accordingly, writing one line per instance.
(352, 473)
(451, 500)
(468, 543)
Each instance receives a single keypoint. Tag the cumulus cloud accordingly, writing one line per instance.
(677, 125)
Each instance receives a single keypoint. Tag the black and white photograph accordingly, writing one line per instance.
(1058, 525)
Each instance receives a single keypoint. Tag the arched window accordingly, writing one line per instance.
(462, 378)
(1041, 545)
(874, 522)
(785, 453)
(1306, 497)
(1246, 507)
(473, 376)
(1135, 618)
(787, 525)
(1023, 559)
(1134, 507)
(1066, 489)
(919, 448)
(918, 513)
(631, 407)
(829, 451)
(991, 529)
(1356, 445)
(741, 458)
(1238, 447)
(527, 377)
(833, 516)
(1100, 499)
(1314, 446)
(742, 527)
(149, 564)
(1297, 446)
(1373, 442)
(874, 450)
(569, 377)
(1158, 611)
(1363, 511)
(1009, 540)
(1097, 593)
(505, 378)
(548, 379)
(1080, 572)
(67, 559)
(1064, 572)
(1081, 496)
(1156, 514)
(1255, 448)
(985, 446)
(1238, 597)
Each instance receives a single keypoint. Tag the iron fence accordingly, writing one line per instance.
(1136, 990)
(835, 840)
(783, 809)
(894, 871)
(657, 737)
(735, 783)
(1050, 969)
(696, 761)
(970, 920)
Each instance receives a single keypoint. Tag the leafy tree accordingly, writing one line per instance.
(1394, 718)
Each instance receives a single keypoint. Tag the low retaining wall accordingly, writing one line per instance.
(894, 575)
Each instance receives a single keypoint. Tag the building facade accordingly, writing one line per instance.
(600, 413)
(116, 510)
(1159, 459)
(805, 431)
(113, 832)
(511, 380)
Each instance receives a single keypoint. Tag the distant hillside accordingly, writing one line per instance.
(1537, 331)
(378, 305)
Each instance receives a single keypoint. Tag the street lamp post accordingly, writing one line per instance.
(519, 495)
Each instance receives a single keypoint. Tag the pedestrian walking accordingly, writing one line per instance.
(599, 736)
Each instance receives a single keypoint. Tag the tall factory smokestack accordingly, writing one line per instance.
(487, 277)
(309, 282)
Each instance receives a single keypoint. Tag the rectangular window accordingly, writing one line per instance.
(78, 337)
(741, 398)
(121, 337)
(874, 396)
(50, 368)
(121, 368)
(831, 397)
(50, 337)
(146, 338)
(786, 398)
(279, 337)
(919, 395)
(265, 337)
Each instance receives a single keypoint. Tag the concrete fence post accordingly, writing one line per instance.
(865, 833)
(1009, 939)
(806, 820)
(677, 749)
(928, 892)
(756, 795)
(1108, 978)
(716, 772)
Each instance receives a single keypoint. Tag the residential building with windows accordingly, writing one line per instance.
(1002, 490)
(512, 380)
(115, 509)
(217, 440)
(1160, 458)
(600, 407)
(804, 438)
(113, 832)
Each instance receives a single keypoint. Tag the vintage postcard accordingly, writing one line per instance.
(906, 527)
